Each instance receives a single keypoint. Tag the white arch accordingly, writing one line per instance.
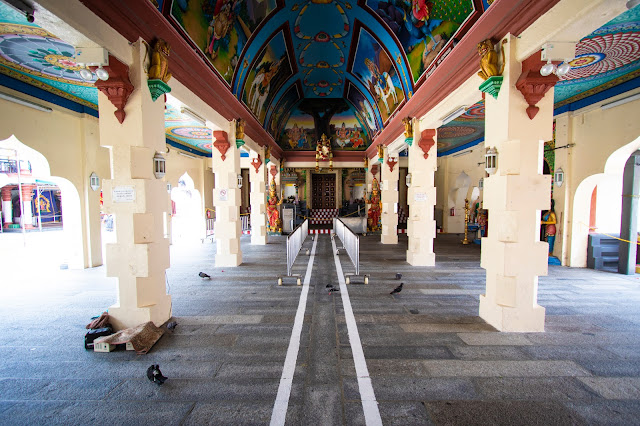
(608, 203)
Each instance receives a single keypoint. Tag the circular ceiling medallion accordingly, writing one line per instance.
(455, 131)
(474, 112)
(607, 53)
(586, 60)
(192, 132)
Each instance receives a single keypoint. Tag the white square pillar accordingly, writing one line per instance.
(258, 199)
(390, 175)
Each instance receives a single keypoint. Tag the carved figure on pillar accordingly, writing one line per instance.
(159, 73)
(273, 215)
(549, 220)
(375, 208)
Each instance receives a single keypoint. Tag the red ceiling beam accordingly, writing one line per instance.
(139, 18)
(503, 17)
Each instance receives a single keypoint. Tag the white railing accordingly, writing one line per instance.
(295, 240)
(210, 225)
(245, 221)
(351, 244)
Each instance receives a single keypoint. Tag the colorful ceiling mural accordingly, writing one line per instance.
(305, 67)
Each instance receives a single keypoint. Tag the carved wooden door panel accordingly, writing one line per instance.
(323, 188)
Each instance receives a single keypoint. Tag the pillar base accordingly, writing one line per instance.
(390, 239)
(512, 319)
(421, 259)
(228, 260)
(258, 239)
(159, 313)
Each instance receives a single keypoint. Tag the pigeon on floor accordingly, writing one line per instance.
(397, 289)
(398, 276)
(333, 290)
(155, 375)
(308, 252)
(204, 276)
(171, 325)
(329, 285)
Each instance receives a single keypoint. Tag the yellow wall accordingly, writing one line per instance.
(70, 143)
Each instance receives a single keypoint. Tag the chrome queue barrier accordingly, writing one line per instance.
(351, 244)
(295, 240)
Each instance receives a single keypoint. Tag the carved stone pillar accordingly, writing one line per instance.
(258, 199)
(390, 174)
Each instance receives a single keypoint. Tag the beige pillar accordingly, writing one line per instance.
(512, 254)
(7, 208)
(140, 256)
(258, 200)
(421, 197)
(389, 198)
(227, 197)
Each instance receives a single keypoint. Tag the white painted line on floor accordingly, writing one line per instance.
(279, 413)
(367, 396)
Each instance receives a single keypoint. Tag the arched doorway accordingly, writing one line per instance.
(187, 222)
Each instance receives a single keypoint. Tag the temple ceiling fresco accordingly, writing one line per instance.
(308, 67)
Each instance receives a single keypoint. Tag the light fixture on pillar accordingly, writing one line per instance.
(239, 181)
(159, 164)
(169, 188)
(557, 51)
(481, 183)
(408, 179)
(630, 5)
(87, 57)
(491, 160)
(94, 181)
(558, 177)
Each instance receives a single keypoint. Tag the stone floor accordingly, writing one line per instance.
(430, 358)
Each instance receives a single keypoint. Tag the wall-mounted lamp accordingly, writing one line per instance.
(557, 51)
(94, 181)
(558, 177)
(169, 188)
(408, 179)
(491, 161)
(92, 57)
(481, 183)
(159, 164)
(239, 181)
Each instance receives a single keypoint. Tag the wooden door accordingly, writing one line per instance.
(323, 188)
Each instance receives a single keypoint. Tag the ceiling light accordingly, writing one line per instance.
(102, 74)
(632, 3)
(23, 8)
(621, 101)
(24, 102)
(192, 115)
(184, 154)
(455, 114)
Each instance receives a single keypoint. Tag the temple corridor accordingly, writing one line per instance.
(430, 358)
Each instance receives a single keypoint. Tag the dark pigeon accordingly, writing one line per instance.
(397, 289)
(155, 375)
(398, 276)
(204, 276)
(332, 290)
(171, 325)
(329, 285)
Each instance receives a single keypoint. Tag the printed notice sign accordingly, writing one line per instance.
(223, 195)
(123, 194)
(420, 197)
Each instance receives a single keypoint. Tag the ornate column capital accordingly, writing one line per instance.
(532, 84)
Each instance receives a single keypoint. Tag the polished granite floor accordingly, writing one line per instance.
(430, 358)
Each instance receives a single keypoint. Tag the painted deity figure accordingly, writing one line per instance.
(220, 27)
(382, 84)
(342, 135)
(356, 139)
(375, 208)
(323, 148)
(549, 220)
(294, 134)
(262, 84)
(273, 216)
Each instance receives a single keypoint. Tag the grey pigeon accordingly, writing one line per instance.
(155, 375)
(398, 276)
(329, 285)
(333, 290)
(204, 276)
(171, 325)
(397, 289)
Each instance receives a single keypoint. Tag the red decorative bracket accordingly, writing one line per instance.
(532, 85)
(427, 141)
(374, 169)
(274, 171)
(118, 87)
(222, 142)
(391, 162)
(256, 163)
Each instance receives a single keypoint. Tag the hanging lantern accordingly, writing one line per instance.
(159, 165)
(558, 177)
(491, 161)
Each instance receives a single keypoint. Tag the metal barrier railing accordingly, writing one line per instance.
(210, 225)
(351, 244)
(295, 240)
(245, 222)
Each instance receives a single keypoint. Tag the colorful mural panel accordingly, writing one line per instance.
(363, 109)
(299, 132)
(221, 28)
(377, 71)
(283, 108)
(270, 70)
(347, 132)
(182, 129)
(423, 28)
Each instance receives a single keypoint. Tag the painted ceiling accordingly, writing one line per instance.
(303, 68)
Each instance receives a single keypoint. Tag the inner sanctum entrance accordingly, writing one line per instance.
(323, 188)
